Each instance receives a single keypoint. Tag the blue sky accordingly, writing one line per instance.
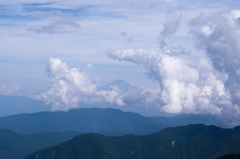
(100, 41)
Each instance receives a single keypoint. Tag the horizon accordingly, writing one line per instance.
(169, 57)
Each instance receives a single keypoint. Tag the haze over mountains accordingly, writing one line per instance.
(28, 132)
(98, 120)
(11, 105)
(39, 127)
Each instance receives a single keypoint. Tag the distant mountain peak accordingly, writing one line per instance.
(120, 83)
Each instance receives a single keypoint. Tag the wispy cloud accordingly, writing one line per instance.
(10, 89)
(169, 29)
(56, 27)
(129, 38)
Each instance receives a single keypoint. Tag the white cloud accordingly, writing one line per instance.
(68, 86)
(112, 97)
(205, 64)
(219, 38)
(126, 97)
(179, 91)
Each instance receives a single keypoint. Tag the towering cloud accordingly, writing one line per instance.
(219, 36)
(68, 86)
(179, 91)
(188, 89)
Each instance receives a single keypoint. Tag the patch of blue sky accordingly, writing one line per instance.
(4, 9)
(6, 25)
(41, 8)
(87, 10)
(8, 10)
(16, 17)
(7, 61)
(37, 4)
(110, 14)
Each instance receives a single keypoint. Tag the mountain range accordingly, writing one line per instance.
(185, 142)
(109, 121)
(105, 132)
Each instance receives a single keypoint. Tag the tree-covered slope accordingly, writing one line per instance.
(230, 156)
(186, 142)
(17, 146)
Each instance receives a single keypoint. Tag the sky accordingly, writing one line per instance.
(180, 56)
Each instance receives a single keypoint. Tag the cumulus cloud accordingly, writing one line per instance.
(55, 27)
(205, 64)
(112, 96)
(70, 86)
(179, 92)
(219, 36)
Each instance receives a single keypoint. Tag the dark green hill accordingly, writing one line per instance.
(230, 156)
(96, 120)
(17, 146)
(186, 142)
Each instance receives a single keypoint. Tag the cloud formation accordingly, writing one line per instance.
(70, 86)
(55, 27)
(196, 89)
(169, 29)
(129, 38)
(123, 97)
(218, 36)
(178, 82)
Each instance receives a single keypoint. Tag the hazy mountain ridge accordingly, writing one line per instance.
(96, 120)
(185, 142)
